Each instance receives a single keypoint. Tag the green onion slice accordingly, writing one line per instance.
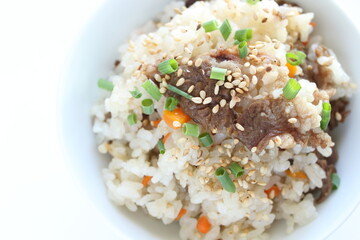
(136, 93)
(335, 180)
(252, 2)
(225, 180)
(243, 35)
(236, 169)
(325, 115)
(161, 147)
(291, 89)
(178, 91)
(296, 58)
(132, 119)
(147, 106)
(237, 42)
(243, 49)
(210, 26)
(225, 29)
(205, 139)
(104, 84)
(168, 66)
(171, 103)
(218, 73)
(191, 129)
(152, 89)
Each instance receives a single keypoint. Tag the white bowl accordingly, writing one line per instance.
(93, 57)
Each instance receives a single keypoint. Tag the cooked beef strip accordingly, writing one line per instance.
(338, 106)
(188, 3)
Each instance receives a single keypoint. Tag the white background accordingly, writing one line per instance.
(38, 197)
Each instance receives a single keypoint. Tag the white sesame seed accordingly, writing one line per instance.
(198, 62)
(187, 50)
(190, 63)
(180, 82)
(292, 120)
(242, 84)
(267, 38)
(338, 116)
(197, 100)
(239, 90)
(167, 77)
(253, 149)
(228, 85)
(236, 141)
(164, 83)
(162, 90)
(252, 70)
(271, 144)
(202, 94)
(184, 60)
(229, 78)
(222, 102)
(246, 78)
(260, 69)
(191, 88)
(216, 89)
(220, 83)
(247, 64)
(232, 93)
(232, 103)
(179, 72)
(157, 77)
(216, 108)
(228, 72)
(239, 126)
(236, 82)
(236, 74)
(207, 100)
(176, 124)
(254, 80)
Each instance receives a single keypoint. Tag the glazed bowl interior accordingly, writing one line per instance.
(93, 57)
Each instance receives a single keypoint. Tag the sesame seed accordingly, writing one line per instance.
(236, 74)
(207, 100)
(252, 70)
(271, 144)
(164, 83)
(232, 103)
(190, 63)
(236, 141)
(261, 184)
(176, 124)
(167, 77)
(228, 72)
(267, 38)
(239, 90)
(198, 62)
(222, 102)
(277, 45)
(216, 89)
(197, 100)
(180, 82)
(242, 84)
(260, 69)
(236, 82)
(179, 72)
(229, 78)
(179, 57)
(187, 50)
(278, 140)
(228, 85)
(292, 120)
(220, 83)
(246, 78)
(184, 60)
(162, 90)
(191, 88)
(202, 94)
(214, 131)
(254, 80)
(244, 161)
(239, 127)
(247, 64)
(255, 52)
(232, 93)
(253, 149)
(216, 108)
(338, 116)
(157, 77)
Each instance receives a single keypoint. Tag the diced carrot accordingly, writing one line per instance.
(203, 224)
(181, 213)
(299, 174)
(312, 24)
(292, 70)
(166, 137)
(176, 118)
(272, 192)
(155, 123)
(305, 43)
(146, 180)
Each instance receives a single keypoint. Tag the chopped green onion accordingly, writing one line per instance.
(237, 42)
(291, 89)
(210, 26)
(325, 115)
(296, 58)
(191, 129)
(225, 29)
(243, 49)
(335, 180)
(171, 103)
(178, 91)
(152, 89)
(252, 2)
(218, 73)
(147, 106)
(243, 35)
(168, 66)
(136, 93)
(205, 139)
(236, 169)
(225, 180)
(132, 119)
(104, 84)
(161, 147)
